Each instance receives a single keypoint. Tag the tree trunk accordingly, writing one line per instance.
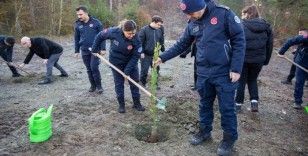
(110, 5)
(32, 15)
(52, 18)
(18, 8)
(60, 17)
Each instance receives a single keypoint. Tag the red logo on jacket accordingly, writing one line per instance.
(129, 47)
(214, 21)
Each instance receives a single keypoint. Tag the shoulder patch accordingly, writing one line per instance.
(223, 6)
(237, 20)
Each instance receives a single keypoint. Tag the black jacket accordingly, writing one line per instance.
(43, 48)
(6, 51)
(259, 41)
(149, 37)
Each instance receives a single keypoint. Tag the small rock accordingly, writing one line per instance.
(172, 86)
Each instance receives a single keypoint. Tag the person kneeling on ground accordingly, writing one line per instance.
(47, 50)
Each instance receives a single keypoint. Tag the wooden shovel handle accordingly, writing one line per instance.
(124, 75)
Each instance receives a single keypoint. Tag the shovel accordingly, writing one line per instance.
(15, 66)
(161, 103)
(299, 66)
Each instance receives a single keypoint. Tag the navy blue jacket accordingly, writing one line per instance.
(220, 42)
(123, 52)
(5, 51)
(85, 34)
(259, 41)
(43, 48)
(302, 50)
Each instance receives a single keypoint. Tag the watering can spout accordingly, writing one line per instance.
(49, 110)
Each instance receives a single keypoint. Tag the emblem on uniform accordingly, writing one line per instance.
(237, 20)
(139, 49)
(182, 6)
(105, 30)
(214, 21)
(129, 47)
(195, 29)
(116, 42)
(81, 26)
(91, 25)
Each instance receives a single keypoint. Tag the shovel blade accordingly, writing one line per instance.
(161, 104)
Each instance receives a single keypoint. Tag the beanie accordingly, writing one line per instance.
(190, 6)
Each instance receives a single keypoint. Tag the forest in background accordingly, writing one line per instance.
(56, 17)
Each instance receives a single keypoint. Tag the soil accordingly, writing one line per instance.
(88, 123)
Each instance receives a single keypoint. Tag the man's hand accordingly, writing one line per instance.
(45, 61)
(76, 55)
(142, 55)
(234, 77)
(158, 62)
(22, 65)
(280, 55)
(102, 52)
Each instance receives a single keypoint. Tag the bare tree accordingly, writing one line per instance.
(60, 17)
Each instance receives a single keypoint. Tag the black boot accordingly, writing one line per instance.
(200, 137)
(14, 71)
(92, 82)
(121, 105)
(99, 87)
(137, 104)
(226, 145)
(45, 81)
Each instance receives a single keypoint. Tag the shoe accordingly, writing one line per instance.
(238, 107)
(137, 104)
(297, 106)
(100, 91)
(64, 75)
(46, 81)
(200, 137)
(16, 75)
(121, 102)
(225, 147)
(287, 82)
(121, 109)
(92, 89)
(254, 106)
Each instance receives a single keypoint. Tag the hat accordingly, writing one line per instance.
(190, 6)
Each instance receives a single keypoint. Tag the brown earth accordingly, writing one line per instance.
(88, 124)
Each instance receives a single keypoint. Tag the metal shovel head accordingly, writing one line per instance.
(161, 103)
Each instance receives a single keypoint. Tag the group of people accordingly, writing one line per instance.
(229, 52)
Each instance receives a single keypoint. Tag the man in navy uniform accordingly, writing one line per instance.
(220, 45)
(301, 59)
(86, 28)
(6, 52)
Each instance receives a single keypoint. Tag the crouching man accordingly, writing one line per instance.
(47, 50)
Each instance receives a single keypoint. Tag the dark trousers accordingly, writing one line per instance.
(5, 56)
(249, 75)
(195, 72)
(92, 64)
(224, 89)
(53, 62)
(292, 73)
(119, 82)
(301, 76)
(146, 63)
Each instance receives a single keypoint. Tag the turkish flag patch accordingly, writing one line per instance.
(214, 21)
(129, 47)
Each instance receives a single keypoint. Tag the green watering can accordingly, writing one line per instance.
(40, 125)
